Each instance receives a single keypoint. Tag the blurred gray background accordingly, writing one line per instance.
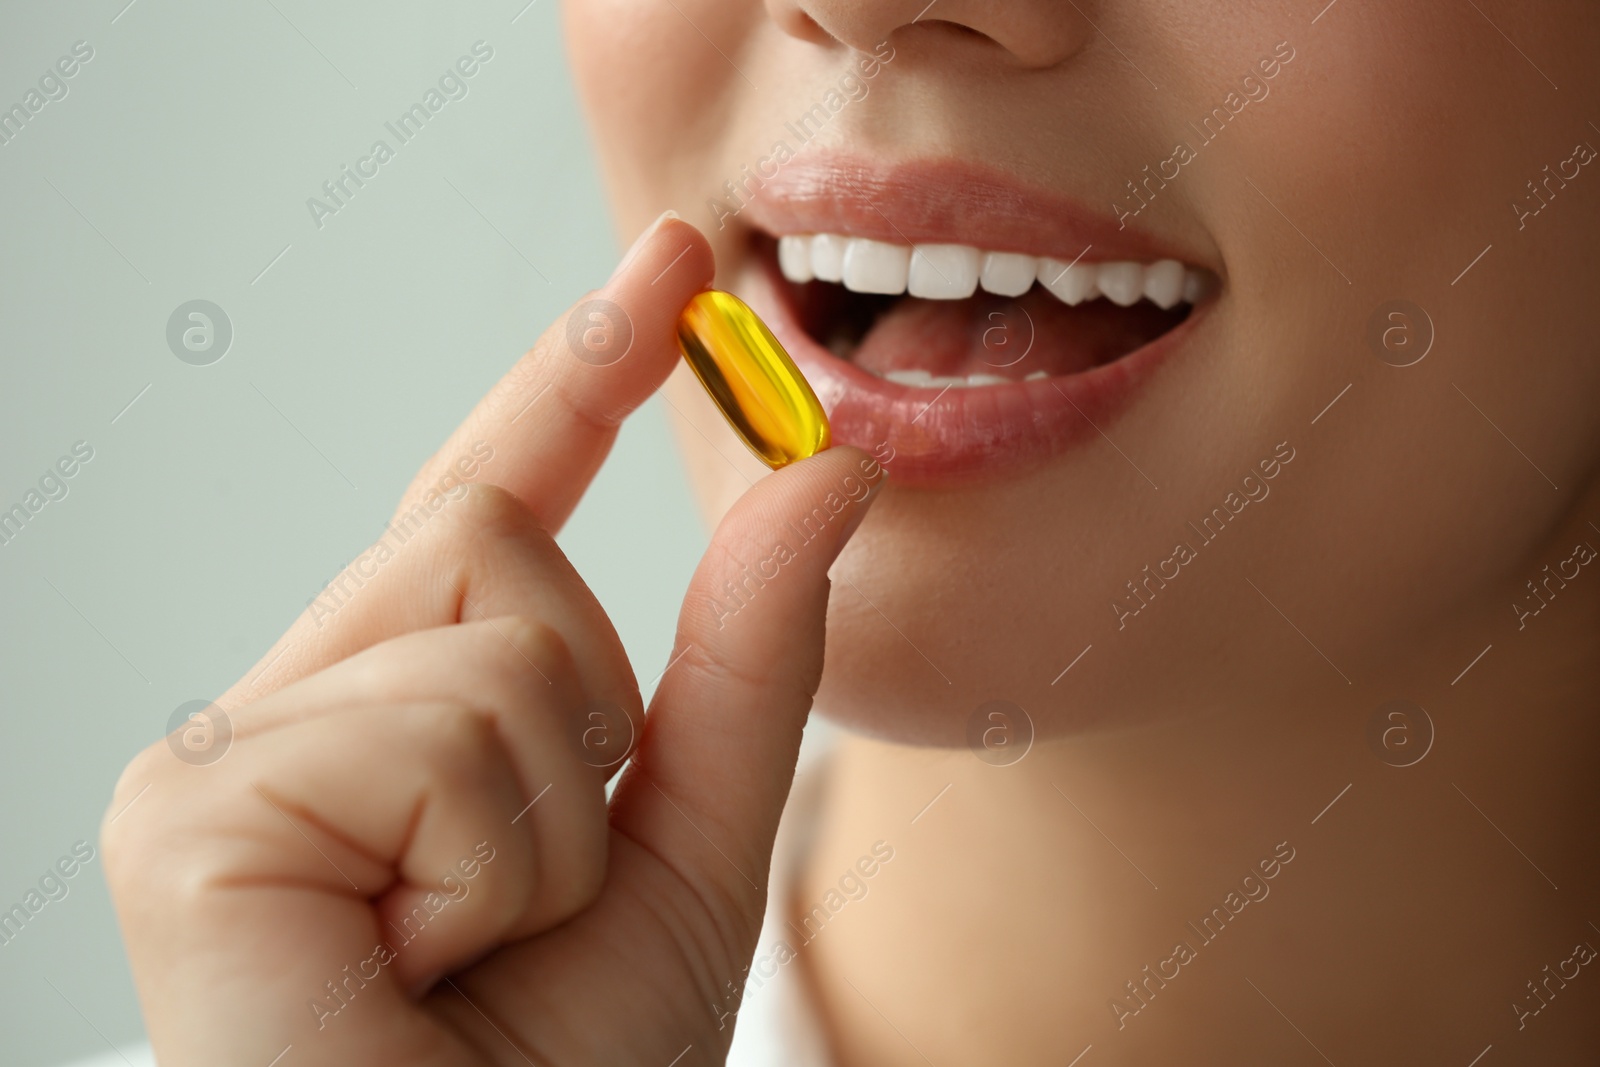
(221, 497)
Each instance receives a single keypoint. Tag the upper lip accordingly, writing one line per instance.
(946, 201)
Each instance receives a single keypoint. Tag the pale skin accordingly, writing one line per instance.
(1171, 760)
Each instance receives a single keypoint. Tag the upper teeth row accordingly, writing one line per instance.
(954, 272)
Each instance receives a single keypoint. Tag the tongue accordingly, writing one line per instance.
(1007, 337)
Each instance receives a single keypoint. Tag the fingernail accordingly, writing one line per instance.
(640, 241)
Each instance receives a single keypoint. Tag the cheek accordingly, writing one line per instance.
(655, 91)
(1400, 151)
(618, 68)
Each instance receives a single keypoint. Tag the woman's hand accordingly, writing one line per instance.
(406, 856)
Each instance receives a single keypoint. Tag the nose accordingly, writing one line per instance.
(1035, 33)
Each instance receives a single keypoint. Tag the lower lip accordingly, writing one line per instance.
(958, 437)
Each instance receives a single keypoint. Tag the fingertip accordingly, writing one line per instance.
(863, 462)
(839, 462)
(624, 335)
(670, 260)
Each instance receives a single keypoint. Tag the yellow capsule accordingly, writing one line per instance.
(752, 379)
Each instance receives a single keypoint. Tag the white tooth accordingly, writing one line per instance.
(947, 382)
(1123, 283)
(1037, 375)
(1163, 282)
(794, 258)
(875, 266)
(827, 256)
(1194, 286)
(987, 379)
(1008, 273)
(915, 378)
(943, 272)
(1071, 283)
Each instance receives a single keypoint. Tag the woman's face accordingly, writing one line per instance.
(1368, 421)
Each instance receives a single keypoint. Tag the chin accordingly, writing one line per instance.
(935, 615)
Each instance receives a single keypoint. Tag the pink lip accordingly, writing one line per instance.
(926, 437)
(944, 200)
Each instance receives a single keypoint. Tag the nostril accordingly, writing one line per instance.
(812, 29)
(1030, 33)
(798, 23)
(955, 29)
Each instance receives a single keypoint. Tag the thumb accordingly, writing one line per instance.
(717, 756)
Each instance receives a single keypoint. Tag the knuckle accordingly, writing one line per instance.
(149, 763)
(456, 521)
(529, 636)
(458, 741)
(118, 837)
(483, 511)
(522, 650)
(598, 422)
(161, 842)
(483, 505)
(731, 679)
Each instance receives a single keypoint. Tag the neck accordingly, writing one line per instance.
(1205, 887)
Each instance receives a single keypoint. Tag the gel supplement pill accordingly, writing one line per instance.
(752, 379)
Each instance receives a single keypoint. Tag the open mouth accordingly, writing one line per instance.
(954, 316)
(955, 362)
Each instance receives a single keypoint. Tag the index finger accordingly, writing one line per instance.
(551, 420)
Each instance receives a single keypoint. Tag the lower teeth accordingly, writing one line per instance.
(924, 380)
